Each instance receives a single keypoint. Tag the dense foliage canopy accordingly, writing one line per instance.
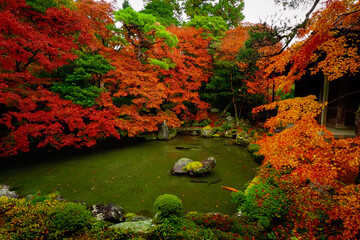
(76, 72)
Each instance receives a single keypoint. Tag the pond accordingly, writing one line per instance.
(134, 174)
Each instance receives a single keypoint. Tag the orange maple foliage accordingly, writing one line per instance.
(98, 17)
(314, 169)
(328, 44)
(234, 40)
(291, 110)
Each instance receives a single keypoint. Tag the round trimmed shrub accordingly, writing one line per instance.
(70, 218)
(168, 205)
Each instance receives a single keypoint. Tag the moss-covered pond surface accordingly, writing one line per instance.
(132, 175)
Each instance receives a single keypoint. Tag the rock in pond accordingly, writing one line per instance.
(206, 132)
(5, 191)
(208, 165)
(192, 168)
(108, 212)
(230, 142)
(229, 134)
(178, 167)
(242, 139)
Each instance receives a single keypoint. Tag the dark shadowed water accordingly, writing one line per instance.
(132, 175)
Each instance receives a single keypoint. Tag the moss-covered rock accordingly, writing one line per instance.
(206, 131)
(179, 166)
(135, 227)
(192, 166)
(242, 139)
(208, 165)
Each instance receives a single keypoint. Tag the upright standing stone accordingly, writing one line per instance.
(164, 131)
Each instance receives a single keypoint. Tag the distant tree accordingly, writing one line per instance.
(214, 27)
(229, 10)
(126, 4)
(163, 11)
(43, 5)
(143, 31)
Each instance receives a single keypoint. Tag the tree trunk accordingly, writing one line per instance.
(357, 123)
(325, 100)
(233, 99)
(341, 105)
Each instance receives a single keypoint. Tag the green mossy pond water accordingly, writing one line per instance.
(134, 174)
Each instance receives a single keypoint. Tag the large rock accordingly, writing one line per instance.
(228, 134)
(206, 132)
(208, 165)
(109, 213)
(182, 166)
(178, 167)
(164, 131)
(5, 191)
(230, 121)
(135, 227)
(242, 139)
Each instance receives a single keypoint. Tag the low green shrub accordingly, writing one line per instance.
(201, 234)
(41, 217)
(165, 231)
(204, 122)
(70, 217)
(168, 205)
(225, 126)
(252, 147)
(262, 202)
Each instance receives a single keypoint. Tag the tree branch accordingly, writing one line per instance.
(332, 101)
(294, 31)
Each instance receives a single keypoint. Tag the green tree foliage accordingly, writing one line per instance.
(214, 27)
(229, 10)
(81, 79)
(143, 31)
(163, 11)
(225, 87)
(43, 5)
(126, 4)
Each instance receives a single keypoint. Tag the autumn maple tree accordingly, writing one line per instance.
(70, 77)
(316, 171)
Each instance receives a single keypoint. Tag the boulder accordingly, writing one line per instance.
(230, 121)
(214, 110)
(164, 131)
(178, 167)
(208, 165)
(242, 139)
(230, 142)
(108, 212)
(135, 227)
(137, 218)
(194, 133)
(206, 132)
(5, 191)
(228, 134)
(182, 166)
